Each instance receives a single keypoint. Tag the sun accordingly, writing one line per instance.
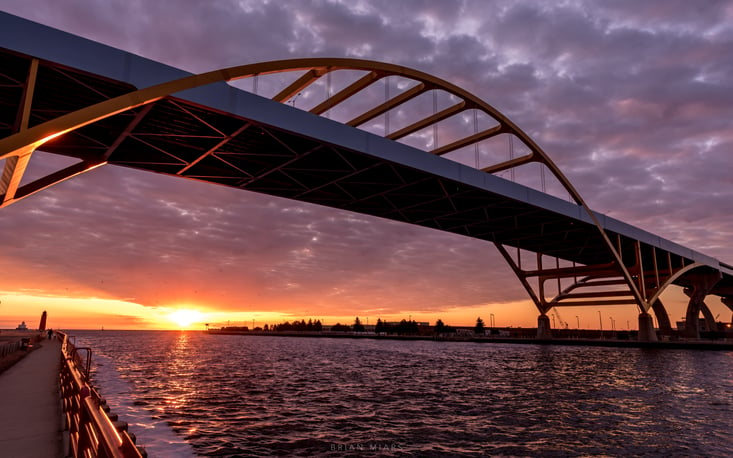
(185, 317)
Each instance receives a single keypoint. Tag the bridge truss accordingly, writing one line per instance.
(422, 136)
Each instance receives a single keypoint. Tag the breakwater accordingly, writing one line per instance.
(721, 345)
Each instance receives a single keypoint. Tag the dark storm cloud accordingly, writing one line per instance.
(633, 101)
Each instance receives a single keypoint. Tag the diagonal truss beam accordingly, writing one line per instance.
(346, 93)
(298, 85)
(388, 105)
(429, 121)
(15, 166)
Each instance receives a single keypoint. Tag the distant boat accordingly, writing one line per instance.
(22, 327)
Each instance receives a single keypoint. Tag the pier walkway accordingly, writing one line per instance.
(30, 412)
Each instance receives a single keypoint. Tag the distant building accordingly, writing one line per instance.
(397, 323)
(702, 325)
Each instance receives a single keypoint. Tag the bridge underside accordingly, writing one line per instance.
(177, 137)
(559, 255)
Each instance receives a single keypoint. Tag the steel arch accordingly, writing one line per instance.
(18, 147)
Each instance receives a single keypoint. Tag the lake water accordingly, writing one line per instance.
(194, 394)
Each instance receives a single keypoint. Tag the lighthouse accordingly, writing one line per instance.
(42, 324)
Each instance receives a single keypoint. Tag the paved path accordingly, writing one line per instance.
(30, 412)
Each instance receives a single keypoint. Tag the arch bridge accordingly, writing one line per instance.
(356, 135)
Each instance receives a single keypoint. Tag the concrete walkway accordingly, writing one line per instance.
(30, 411)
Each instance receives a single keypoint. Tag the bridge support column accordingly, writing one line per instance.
(701, 286)
(646, 328)
(543, 327)
(665, 326)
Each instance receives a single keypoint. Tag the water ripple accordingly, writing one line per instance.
(275, 396)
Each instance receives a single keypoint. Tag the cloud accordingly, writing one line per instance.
(633, 101)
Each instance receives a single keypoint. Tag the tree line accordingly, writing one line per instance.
(310, 325)
(404, 327)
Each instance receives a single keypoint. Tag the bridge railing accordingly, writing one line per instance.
(9, 347)
(92, 430)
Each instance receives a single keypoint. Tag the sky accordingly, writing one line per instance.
(632, 100)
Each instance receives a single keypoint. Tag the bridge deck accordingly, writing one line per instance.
(231, 137)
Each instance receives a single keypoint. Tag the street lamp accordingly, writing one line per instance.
(491, 318)
(600, 322)
(578, 318)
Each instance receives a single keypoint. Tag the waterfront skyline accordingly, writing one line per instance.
(633, 103)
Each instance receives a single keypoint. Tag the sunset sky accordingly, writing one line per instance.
(633, 100)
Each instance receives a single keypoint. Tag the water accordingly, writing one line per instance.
(193, 394)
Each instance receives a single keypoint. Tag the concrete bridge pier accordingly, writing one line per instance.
(544, 331)
(646, 328)
(665, 326)
(702, 284)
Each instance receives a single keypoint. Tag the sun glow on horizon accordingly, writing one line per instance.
(84, 312)
(184, 318)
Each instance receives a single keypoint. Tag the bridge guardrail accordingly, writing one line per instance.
(9, 347)
(92, 430)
